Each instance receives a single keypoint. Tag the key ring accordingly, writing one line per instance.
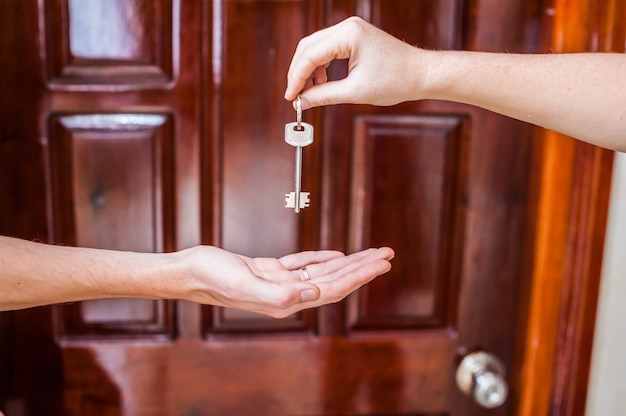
(299, 113)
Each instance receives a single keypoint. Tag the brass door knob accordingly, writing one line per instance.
(482, 377)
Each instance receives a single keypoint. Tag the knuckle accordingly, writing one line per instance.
(308, 58)
(354, 25)
(354, 20)
(304, 44)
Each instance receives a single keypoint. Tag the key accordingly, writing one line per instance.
(299, 135)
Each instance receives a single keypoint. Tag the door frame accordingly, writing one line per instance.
(572, 182)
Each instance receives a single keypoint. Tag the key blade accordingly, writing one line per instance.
(298, 178)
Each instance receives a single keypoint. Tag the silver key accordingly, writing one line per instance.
(298, 134)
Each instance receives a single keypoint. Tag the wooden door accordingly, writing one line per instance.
(157, 125)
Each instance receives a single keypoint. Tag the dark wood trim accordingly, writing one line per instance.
(573, 188)
(592, 171)
(583, 265)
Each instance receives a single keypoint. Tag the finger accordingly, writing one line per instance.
(362, 268)
(304, 258)
(318, 269)
(338, 289)
(319, 77)
(335, 268)
(335, 92)
(314, 51)
(327, 269)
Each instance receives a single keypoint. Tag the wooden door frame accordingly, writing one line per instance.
(572, 182)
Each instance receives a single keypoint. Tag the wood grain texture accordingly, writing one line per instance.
(452, 187)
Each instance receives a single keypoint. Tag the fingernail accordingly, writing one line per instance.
(308, 295)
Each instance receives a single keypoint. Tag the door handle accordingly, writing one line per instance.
(481, 376)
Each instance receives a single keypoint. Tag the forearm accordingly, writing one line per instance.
(33, 274)
(581, 95)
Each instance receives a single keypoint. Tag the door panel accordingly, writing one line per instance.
(113, 173)
(104, 44)
(159, 126)
(407, 174)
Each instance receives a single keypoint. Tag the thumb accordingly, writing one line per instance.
(285, 294)
(310, 294)
(328, 93)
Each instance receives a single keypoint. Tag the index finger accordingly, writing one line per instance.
(335, 290)
(314, 51)
(304, 258)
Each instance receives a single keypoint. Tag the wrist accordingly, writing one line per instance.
(169, 276)
(147, 275)
(187, 273)
(436, 78)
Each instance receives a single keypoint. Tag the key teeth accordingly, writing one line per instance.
(304, 199)
(290, 200)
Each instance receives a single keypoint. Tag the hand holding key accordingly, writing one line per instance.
(298, 134)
